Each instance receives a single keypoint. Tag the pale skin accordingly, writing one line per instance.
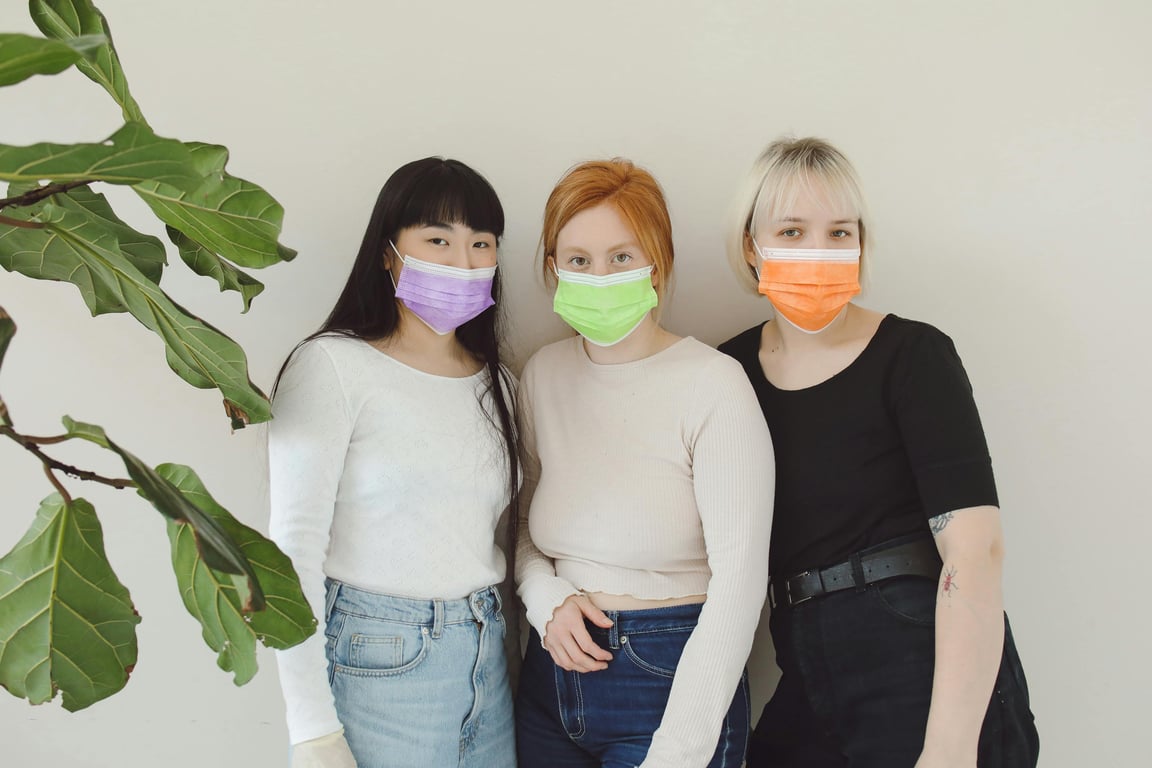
(414, 343)
(969, 606)
(598, 241)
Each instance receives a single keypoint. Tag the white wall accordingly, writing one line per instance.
(1004, 148)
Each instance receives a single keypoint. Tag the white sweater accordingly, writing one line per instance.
(652, 479)
(384, 477)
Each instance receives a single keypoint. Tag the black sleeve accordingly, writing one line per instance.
(938, 421)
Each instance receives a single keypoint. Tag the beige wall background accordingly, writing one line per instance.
(1004, 149)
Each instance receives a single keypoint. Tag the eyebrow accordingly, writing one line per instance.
(451, 227)
(625, 246)
(797, 220)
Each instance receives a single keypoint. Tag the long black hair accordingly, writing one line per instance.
(429, 191)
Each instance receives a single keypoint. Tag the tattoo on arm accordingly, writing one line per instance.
(948, 583)
(940, 522)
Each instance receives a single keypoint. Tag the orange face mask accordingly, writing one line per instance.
(809, 286)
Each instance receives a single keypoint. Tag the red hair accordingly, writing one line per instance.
(636, 196)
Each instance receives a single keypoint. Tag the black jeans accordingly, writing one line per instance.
(857, 681)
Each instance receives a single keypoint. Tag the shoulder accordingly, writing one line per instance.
(714, 376)
(327, 351)
(914, 342)
(548, 358)
(743, 345)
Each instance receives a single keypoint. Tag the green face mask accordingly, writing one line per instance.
(604, 309)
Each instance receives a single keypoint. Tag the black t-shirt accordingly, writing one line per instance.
(872, 452)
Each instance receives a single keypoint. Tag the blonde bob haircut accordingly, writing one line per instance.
(787, 168)
(634, 193)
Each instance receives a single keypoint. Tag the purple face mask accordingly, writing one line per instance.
(444, 297)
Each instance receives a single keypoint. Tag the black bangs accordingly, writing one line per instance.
(449, 192)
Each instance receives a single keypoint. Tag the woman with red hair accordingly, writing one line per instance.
(648, 501)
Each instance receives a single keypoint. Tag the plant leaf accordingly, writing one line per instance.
(226, 215)
(203, 262)
(66, 622)
(77, 248)
(145, 252)
(69, 19)
(7, 331)
(217, 602)
(22, 56)
(213, 543)
(131, 155)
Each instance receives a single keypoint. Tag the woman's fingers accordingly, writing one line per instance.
(589, 647)
(593, 614)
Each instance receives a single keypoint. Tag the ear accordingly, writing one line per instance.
(750, 256)
(550, 263)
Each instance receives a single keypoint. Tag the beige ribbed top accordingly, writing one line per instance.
(653, 479)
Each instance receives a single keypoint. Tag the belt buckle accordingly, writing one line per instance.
(788, 589)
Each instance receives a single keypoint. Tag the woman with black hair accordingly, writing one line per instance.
(392, 460)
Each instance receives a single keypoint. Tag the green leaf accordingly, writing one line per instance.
(22, 56)
(145, 252)
(215, 546)
(226, 215)
(131, 155)
(66, 622)
(79, 249)
(215, 600)
(7, 331)
(203, 262)
(69, 19)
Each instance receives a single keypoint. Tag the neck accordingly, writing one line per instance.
(794, 339)
(419, 342)
(648, 339)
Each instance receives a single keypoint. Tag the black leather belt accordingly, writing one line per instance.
(900, 557)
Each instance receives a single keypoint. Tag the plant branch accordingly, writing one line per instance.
(59, 486)
(36, 195)
(51, 464)
(22, 224)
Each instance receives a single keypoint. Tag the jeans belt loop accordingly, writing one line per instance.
(330, 596)
(437, 618)
(858, 572)
(614, 630)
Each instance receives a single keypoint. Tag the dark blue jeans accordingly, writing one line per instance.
(607, 718)
(857, 681)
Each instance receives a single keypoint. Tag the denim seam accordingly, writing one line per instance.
(896, 613)
(659, 631)
(651, 668)
(391, 620)
(346, 669)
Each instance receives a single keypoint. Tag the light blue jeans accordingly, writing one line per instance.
(420, 683)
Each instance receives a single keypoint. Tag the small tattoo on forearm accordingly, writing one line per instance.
(939, 523)
(948, 585)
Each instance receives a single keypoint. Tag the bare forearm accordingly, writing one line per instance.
(969, 641)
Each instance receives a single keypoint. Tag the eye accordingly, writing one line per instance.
(841, 233)
(621, 258)
(437, 241)
(481, 244)
(578, 261)
(790, 232)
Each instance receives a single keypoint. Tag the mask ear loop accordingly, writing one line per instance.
(391, 276)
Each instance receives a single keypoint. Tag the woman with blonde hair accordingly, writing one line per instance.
(887, 609)
(649, 474)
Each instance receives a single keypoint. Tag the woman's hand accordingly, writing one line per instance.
(566, 638)
(329, 751)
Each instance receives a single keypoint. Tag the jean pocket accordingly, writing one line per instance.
(656, 652)
(910, 599)
(376, 647)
